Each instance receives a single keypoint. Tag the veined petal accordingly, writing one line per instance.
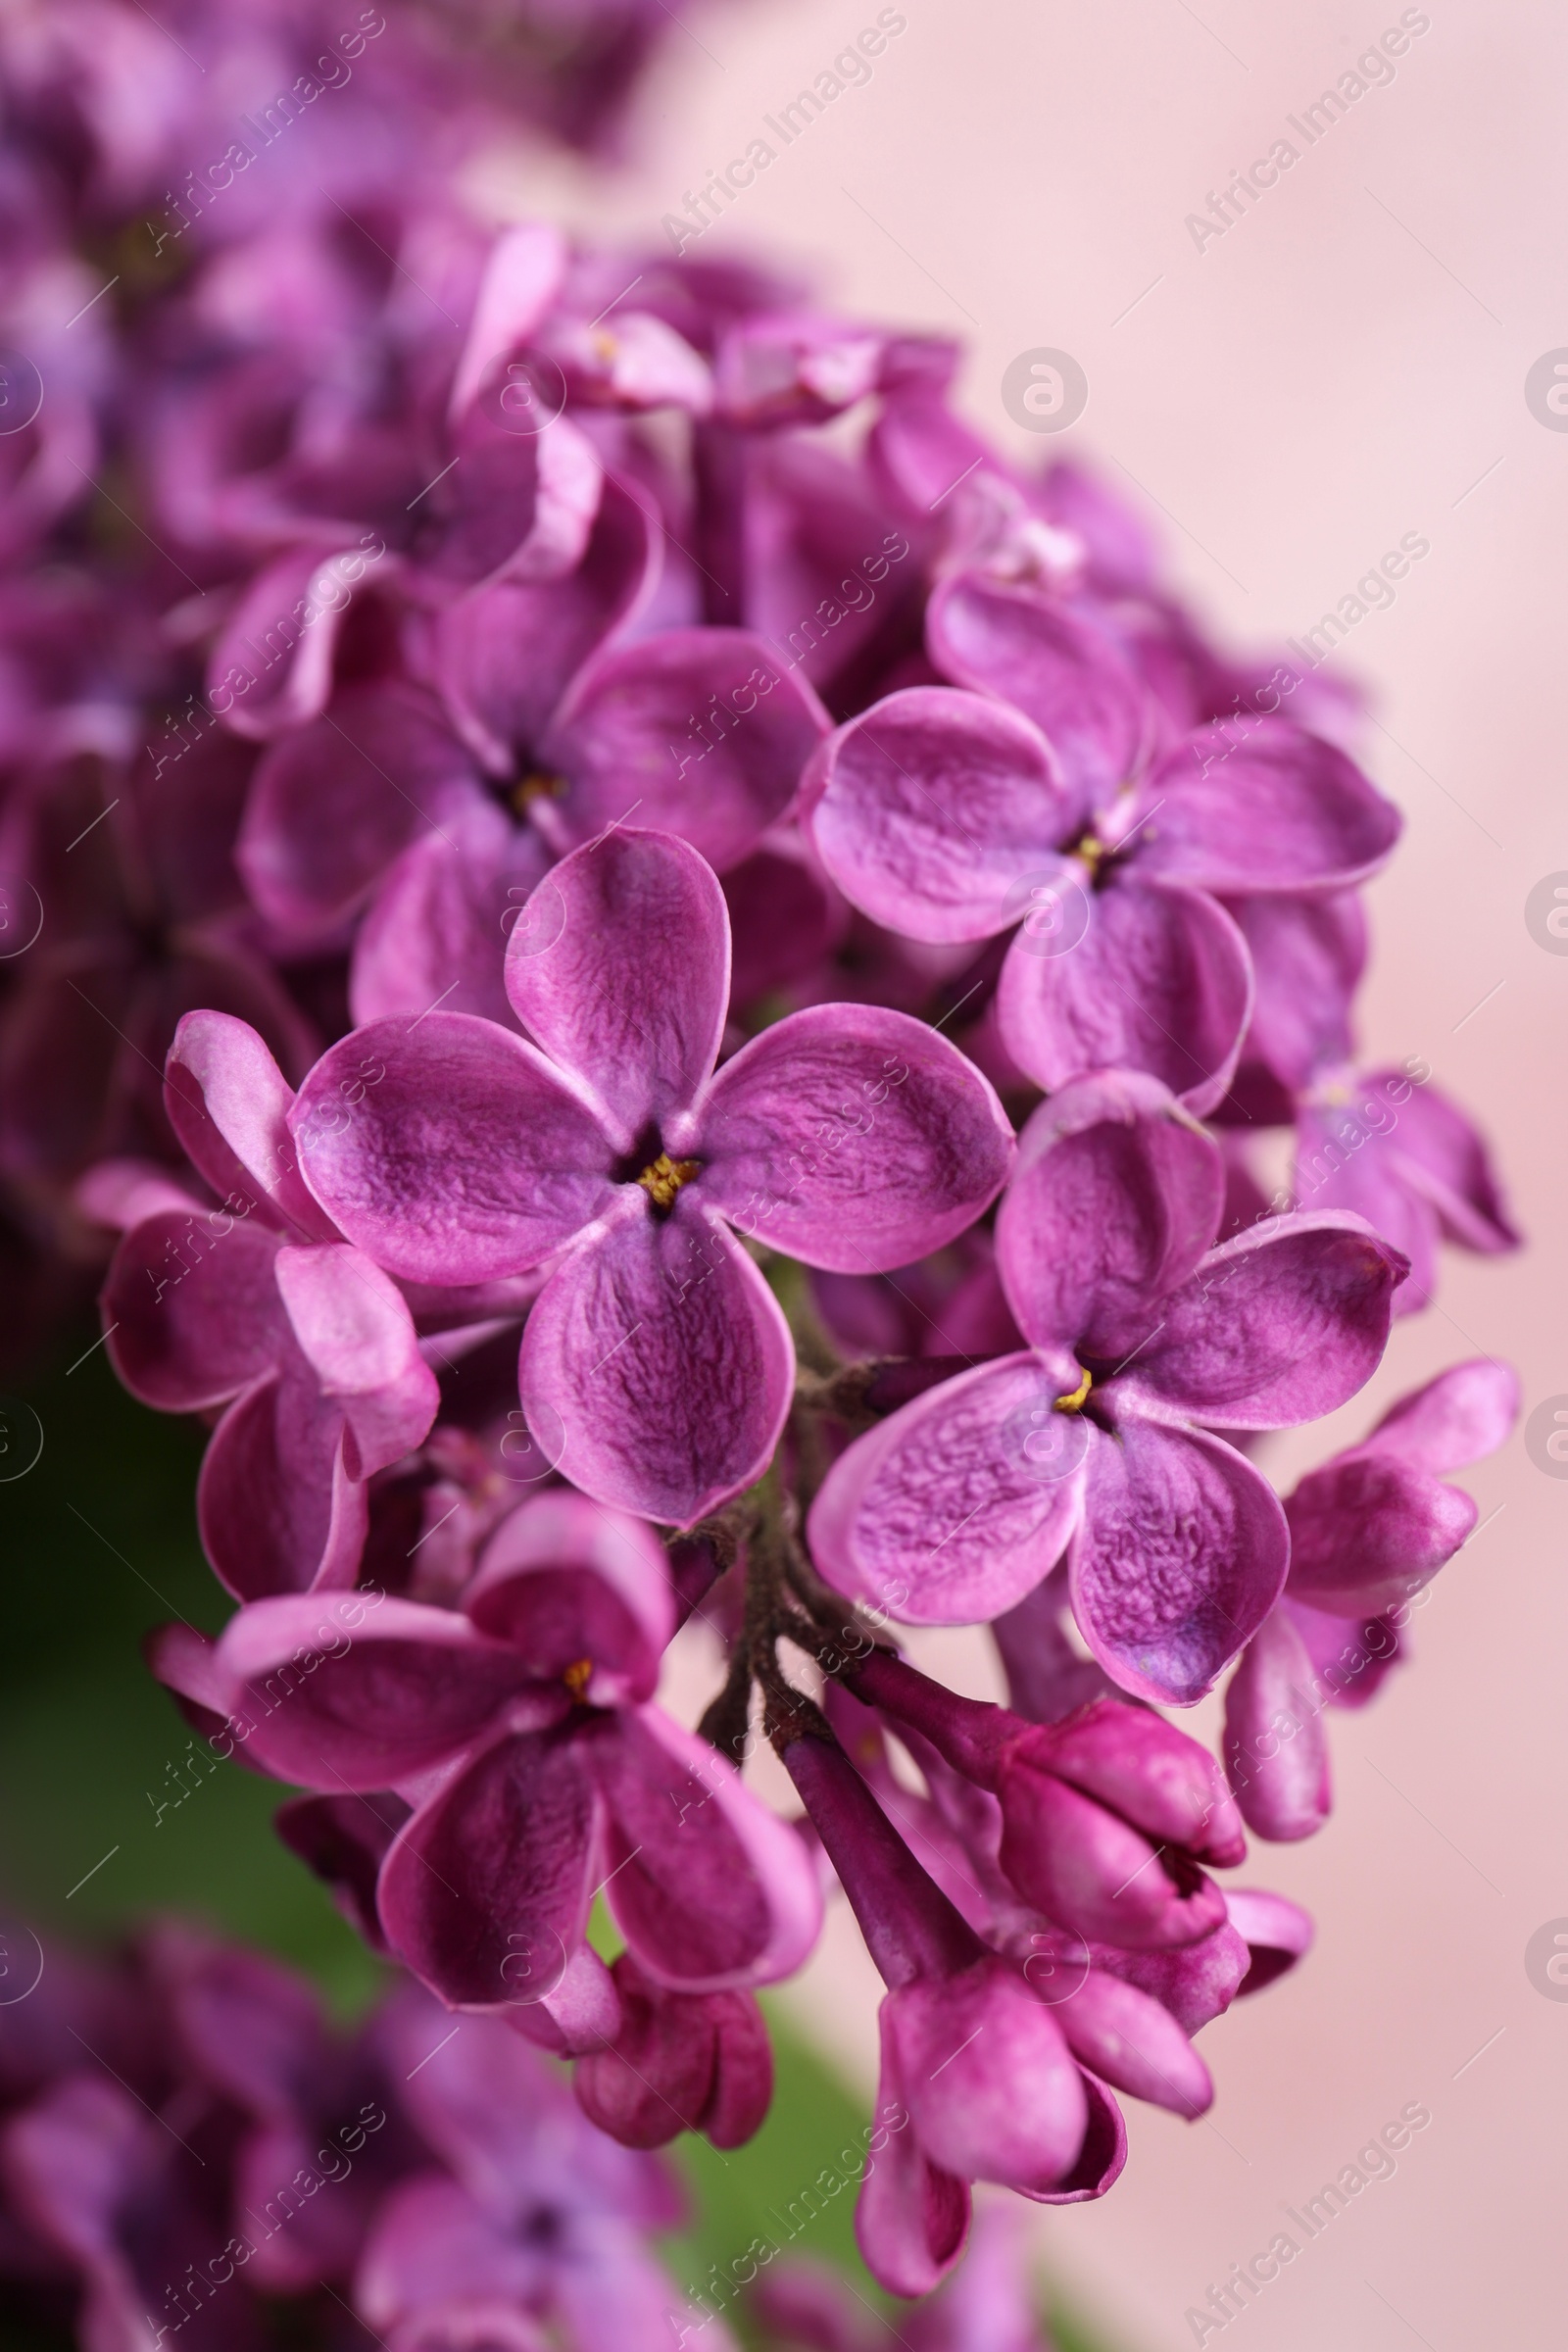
(710, 1890)
(228, 1102)
(449, 1149)
(1280, 810)
(958, 1504)
(357, 1335)
(192, 1314)
(640, 735)
(564, 1578)
(277, 1509)
(436, 931)
(618, 967)
(1179, 1556)
(505, 657)
(1117, 1195)
(332, 803)
(352, 1689)
(854, 1138)
(662, 1355)
(1278, 1326)
(1141, 976)
(485, 1892)
(1054, 664)
(929, 808)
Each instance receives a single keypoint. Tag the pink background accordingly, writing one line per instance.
(1345, 365)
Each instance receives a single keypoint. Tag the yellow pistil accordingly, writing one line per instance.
(535, 785)
(578, 1677)
(605, 345)
(664, 1177)
(1091, 849)
(1074, 1402)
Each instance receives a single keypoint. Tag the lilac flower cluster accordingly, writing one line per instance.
(719, 957)
(191, 2154)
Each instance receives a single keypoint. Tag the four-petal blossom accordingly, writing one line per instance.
(1097, 1439)
(851, 1137)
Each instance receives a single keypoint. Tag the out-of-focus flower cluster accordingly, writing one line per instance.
(686, 989)
(192, 2153)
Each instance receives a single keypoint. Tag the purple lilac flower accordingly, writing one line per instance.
(1099, 1441)
(445, 815)
(951, 816)
(520, 1730)
(536, 2212)
(851, 1138)
(1368, 1531)
(259, 1306)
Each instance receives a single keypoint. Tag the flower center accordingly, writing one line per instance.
(578, 1677)
(537, 785)
(664, 1177)
(1075, 1399)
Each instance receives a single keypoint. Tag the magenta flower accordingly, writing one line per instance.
(1368, 1531)
(851, 1138)
(951, 816)
(1097, 1439)
(520, 1729)
(1392, 1149)
(258, 1307)
(536, 2222)
(443, 814)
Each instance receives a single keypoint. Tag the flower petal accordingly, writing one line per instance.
(288, 618)
(660, 1351)
(929, 808)
(910, 2219)
(1179, 1556)
(1368, 1530)
(335, 803)
(228, 1102)
(1466, 1413)
(1117, 1195)
(1445, 1158)
(1278, 1326)
(639, 734)
(710, 1890)
(618, 967)
(354, 1690)
(1276, 1752)
(449, 1149)
(1308, 956)
(357, 1335)
(505, 657)
(485, 1891)
(991, 2089)
(436, 932)
(958, 1504)
(1279, 810)
(851, 1137)
(192, 1316)
(277, 1507)
(1139, 976)
(1056, 665)
(564, 1579)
